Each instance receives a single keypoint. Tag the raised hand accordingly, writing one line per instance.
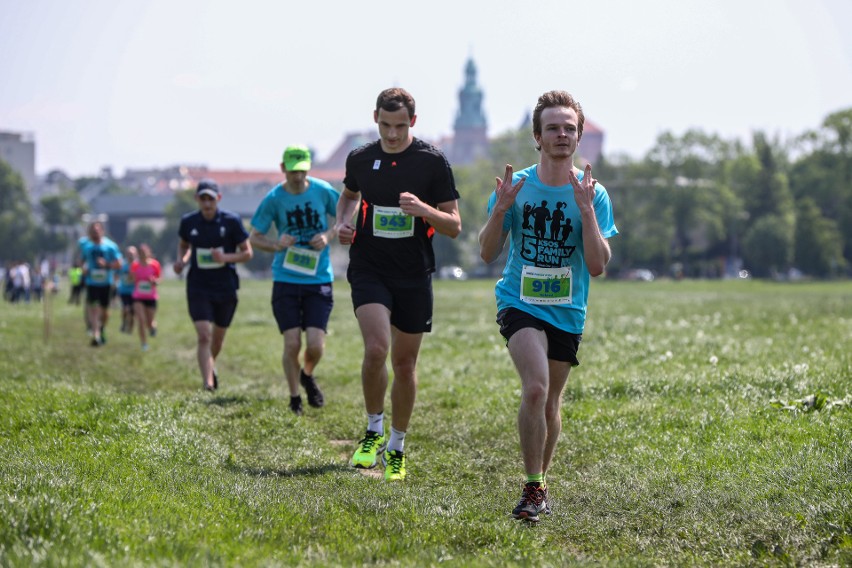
(506, 192)
(584, 191)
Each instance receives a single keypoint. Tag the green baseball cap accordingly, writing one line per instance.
(297, 159)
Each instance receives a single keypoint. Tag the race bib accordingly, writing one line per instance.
(392, 223)
(204, 258)
(145, 287)
(127, 280)
(301, 260)
(546, 285)
(99, 275)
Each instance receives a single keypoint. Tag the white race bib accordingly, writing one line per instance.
(204, 258)
(145, 287)
(301, 260)
(98, 275)
(546, 285)
(392, 223)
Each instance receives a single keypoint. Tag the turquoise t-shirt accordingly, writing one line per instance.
(126, 283)
(97, 275)
(546, 252)
(302, 216)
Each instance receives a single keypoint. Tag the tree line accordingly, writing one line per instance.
(695, 205)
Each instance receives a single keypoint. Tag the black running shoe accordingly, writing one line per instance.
(533, 501)
(312, 389)
(296, 405)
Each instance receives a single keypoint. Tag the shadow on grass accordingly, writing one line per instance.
(312, 471)
(226, 400)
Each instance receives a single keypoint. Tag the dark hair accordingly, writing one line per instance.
(557, 99)
(394, 99)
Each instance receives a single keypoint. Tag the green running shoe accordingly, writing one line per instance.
(394, 462)
(368, 448)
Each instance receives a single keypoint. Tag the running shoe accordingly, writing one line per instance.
(215, 379)
(533, 502)
(394, 462)
(312, 389)
(296, 405)
(369, 447)
(153, 332)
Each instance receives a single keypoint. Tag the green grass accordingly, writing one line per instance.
(677, 448)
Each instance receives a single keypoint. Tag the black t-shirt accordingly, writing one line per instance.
(380, 178)
(225, 230)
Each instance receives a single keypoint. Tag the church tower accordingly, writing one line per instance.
(470, 141)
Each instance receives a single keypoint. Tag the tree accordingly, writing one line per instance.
(768, 246)
(818, 244)
(17, 226)
(824, 173)
(63, 209)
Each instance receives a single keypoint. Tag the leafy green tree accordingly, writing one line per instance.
(63, 209)
(17, 226)
(824, 173)
(768, 246)
(818, 244)
(769, 191)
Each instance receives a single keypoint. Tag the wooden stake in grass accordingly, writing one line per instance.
(47, 309)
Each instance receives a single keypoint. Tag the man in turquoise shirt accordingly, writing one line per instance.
(541, 298)
(302, 274)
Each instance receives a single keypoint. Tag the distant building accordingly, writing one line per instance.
(470, 140)
(18, 150)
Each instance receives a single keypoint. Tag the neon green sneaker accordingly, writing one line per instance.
(368, 449)
(394, 462)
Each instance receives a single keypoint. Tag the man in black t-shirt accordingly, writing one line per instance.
(406, 192)
(211, 241)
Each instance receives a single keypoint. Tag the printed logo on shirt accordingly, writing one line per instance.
(222, 230)
(193, 233)
(376, 164)
(545, 239)
(303, 222)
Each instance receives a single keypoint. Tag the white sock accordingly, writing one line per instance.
(397, 441)
(375, 423)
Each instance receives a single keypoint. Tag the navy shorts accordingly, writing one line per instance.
(408, 299)
(219, 309)
(561, 345)
(148, 302)
(126, 300)
(301, 305)
(98, 295)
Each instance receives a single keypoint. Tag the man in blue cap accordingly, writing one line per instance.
(212, 241)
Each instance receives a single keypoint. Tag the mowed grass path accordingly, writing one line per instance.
(674, 450)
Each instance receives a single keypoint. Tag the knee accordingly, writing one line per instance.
(535, 394)
(375, 351)
(404, 366)
(315, 347)
(292, 348)
(205, 338)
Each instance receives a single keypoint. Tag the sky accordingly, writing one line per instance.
(156, 83)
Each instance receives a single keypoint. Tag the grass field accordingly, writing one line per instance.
(689, 439)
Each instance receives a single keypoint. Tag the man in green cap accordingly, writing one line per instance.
(299, 208)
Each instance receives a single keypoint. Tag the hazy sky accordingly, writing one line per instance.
(229, 84)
